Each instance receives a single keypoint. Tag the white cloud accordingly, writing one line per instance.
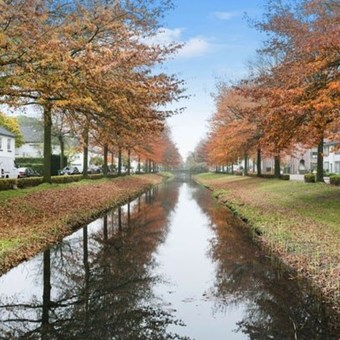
(224, 15)
(193, 47)
(166, 36)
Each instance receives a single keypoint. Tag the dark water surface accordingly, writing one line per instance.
(168, 265)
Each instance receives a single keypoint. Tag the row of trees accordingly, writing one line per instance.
(89, 67)
(291, 98)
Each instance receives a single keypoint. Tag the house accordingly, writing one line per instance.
(305, 160)
(7, 154)
(33, 133)
(331, 161)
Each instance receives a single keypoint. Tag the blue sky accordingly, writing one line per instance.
(219, 43)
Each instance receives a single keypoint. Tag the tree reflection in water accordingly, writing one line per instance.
(276, 307)
(98, 282)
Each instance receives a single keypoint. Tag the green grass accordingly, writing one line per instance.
(317, 201)
(299, 222)
(167, 174)
(6, 244)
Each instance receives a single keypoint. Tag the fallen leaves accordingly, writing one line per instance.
(44, 217)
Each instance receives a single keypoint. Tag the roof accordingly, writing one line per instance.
(31, 134)
(5, 132)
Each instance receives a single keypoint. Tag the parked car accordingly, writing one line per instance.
(8, 168)
(70, 170)
(93, 169)
(27, 172)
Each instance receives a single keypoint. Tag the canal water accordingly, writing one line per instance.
(171, 264)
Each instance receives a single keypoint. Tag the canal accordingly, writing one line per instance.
(171, 264)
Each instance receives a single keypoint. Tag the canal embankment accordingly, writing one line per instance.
(298, 222)
(34, 218)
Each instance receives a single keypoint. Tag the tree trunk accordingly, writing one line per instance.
(85, 152)
(138, 164)
(258, 163)
(106, 152)
(246, 161)
(277, 172)
(46, 292)
(319, 169)
(232, 168)
(62, 151)
(119, 161)
(105, 230)
(112, 160)
(47, 143)
(120, 218)
(129, 161)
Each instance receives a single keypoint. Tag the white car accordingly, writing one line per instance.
(8, 168)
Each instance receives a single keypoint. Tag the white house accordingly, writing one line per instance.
(33, 146)
(331, 161)
(305, 160)
(7, 154)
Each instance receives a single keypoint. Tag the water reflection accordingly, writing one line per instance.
(169, 265)
(276, 307)
(97, 283)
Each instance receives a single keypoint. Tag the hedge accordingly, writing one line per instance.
(334, 179)
(66, 179)
(309, 178)
(29, 182)
(7, 183)
(285, 177)
(95, 176)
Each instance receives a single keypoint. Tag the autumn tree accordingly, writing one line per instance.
(12, 125)
(236, 127)
(77, 50)
(305, 97)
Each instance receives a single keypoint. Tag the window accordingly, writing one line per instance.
(326, 166)
(314, 154)
(337, 167)
(9, 144)
(326, 150)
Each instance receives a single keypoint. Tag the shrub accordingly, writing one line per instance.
(268, 176)
(29, 182)
(309, 178)
(7, 183)
(95, 176)
(112, 175)
(21, 161)
(66, 179)
(329, 174)
(285, 177)
(334, 179)
(238, 173)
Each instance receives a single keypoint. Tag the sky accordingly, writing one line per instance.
(219, 43)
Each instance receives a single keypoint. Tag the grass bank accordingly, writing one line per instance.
(299, 222)
(34, 218)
